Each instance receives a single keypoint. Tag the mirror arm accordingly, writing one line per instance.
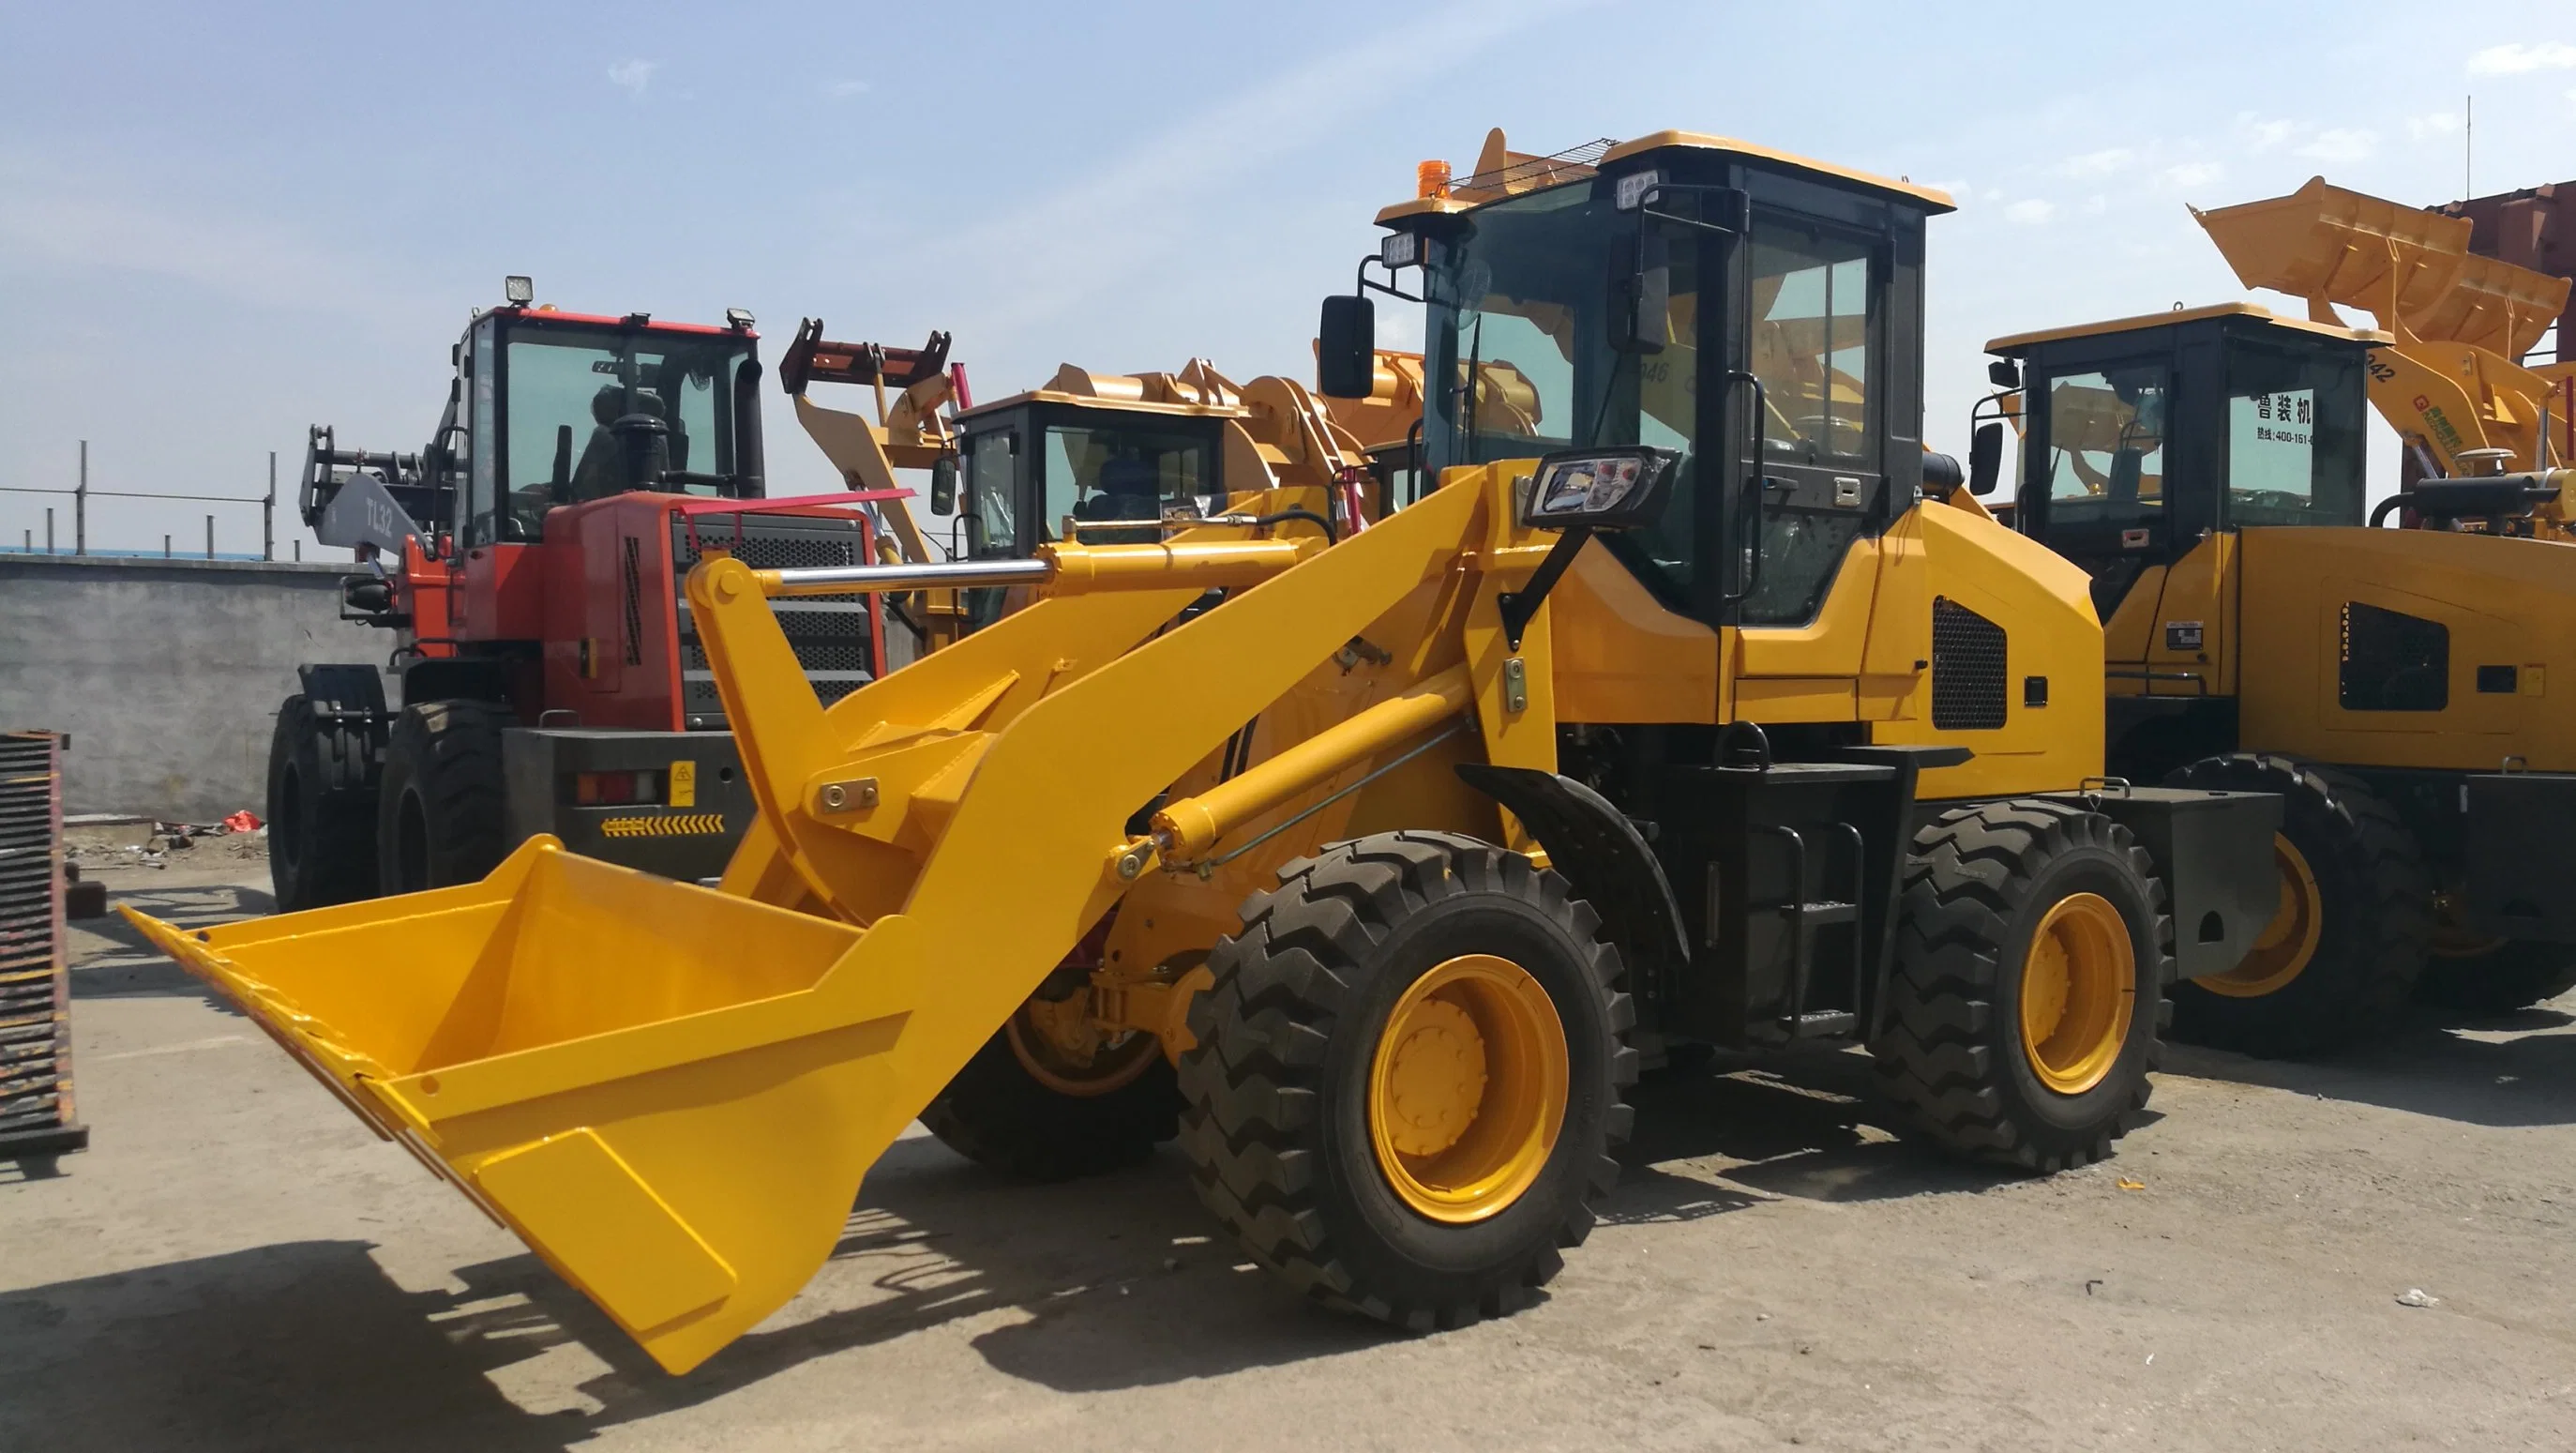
(1361, 284)
(1520, 606)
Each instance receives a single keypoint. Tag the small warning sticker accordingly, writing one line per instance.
(684, 780)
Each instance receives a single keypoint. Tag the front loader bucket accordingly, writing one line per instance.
(627, 1071)
(2403, 265)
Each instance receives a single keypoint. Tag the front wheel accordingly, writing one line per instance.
(321, 809)
(1050, 1096)
(2342, 954)
(2501, 980)
(2031, 953)
(440, 813)
(1408, 1077)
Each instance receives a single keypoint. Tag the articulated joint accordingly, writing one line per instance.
(1187, 829)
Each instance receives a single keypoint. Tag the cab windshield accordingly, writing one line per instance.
(589, 411)
(1519, 302)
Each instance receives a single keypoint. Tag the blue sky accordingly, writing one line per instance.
(219, 227)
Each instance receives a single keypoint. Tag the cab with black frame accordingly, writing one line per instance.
(2205, 467)
(1803, 712)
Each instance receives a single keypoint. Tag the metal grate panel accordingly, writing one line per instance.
(830, 633)
(1968, 669)
(36, 1108)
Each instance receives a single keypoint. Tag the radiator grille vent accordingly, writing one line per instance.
(830, 633)
(1968, 669)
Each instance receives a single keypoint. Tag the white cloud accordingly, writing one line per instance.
(633, 75)
(2262, 135)
(2101, 163)
(77, 221)
(2341, 144)
(1066, 246)
(2515, 58)
(842, 90)
(2030, 212)
(2438, 123)
(2193, 174)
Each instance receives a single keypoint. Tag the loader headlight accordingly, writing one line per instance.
(1604, 489)
(518, 290)
(1628, 193)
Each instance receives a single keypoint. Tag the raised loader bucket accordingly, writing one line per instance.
(627, 1071)
(2403, 265)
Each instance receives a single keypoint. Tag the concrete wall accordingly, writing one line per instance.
(167, 673)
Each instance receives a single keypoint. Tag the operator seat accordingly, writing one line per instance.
(602, 471)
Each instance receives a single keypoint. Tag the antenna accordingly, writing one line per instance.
(2468, 147)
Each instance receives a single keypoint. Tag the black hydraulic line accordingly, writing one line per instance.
(1330, 538)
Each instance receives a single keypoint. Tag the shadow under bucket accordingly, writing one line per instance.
(627, 1071)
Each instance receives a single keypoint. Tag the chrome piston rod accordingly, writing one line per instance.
(954, 574)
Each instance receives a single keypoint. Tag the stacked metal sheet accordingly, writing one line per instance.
(36, 1111)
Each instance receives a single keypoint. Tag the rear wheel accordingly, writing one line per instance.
(2342, 954)
(440, 818)
(321, 810)
(2032, 949)
(2500, 980)
(1050, 1096)
(1408, 1075)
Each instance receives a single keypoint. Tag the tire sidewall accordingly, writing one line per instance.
(1469, 922)
(2085, 868)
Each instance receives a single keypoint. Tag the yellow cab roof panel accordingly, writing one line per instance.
(1931, 198)
(2019, 342)
(1123, 406)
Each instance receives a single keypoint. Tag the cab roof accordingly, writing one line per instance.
(1491, 184)
(2019, 343)
(1117, 405)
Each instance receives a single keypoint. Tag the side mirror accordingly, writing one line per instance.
(1986, 458)
(1645, 293)
(2004, 373)
(1600, 489)
(943, 485)
(1346, 348)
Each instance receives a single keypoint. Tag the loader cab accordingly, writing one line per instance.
(1757, 313)
(2144, 437)
(554, 408)
(1048, 466)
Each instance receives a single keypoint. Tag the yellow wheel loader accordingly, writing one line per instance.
(1673, 714)
(2205, 467)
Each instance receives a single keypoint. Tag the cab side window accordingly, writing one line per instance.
(2106, 446)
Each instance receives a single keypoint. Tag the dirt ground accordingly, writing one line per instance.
(237, 1263)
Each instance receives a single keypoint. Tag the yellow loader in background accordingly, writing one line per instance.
(2205, 466)
(1674, 714)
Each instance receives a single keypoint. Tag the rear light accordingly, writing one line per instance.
(616, 789)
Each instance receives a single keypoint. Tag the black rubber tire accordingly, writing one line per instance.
(321, 810)
(1977, 883)
(440, 817)
(2514, 976)
(2375, 915)
(998, 1115)
(1277, 1089)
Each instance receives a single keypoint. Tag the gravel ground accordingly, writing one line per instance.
(237, 1263)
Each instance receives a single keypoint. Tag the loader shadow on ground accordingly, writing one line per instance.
(126, 964)
(1809, 1124)
(305, 1344)
(1114, 1282)
(2503, 1071)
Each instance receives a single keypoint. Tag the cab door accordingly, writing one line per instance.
(1808, 494)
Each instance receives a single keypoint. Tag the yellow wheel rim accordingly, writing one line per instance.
(1467, 1088)
(2289, 941)
(1065, 1049)
(2079, 984)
